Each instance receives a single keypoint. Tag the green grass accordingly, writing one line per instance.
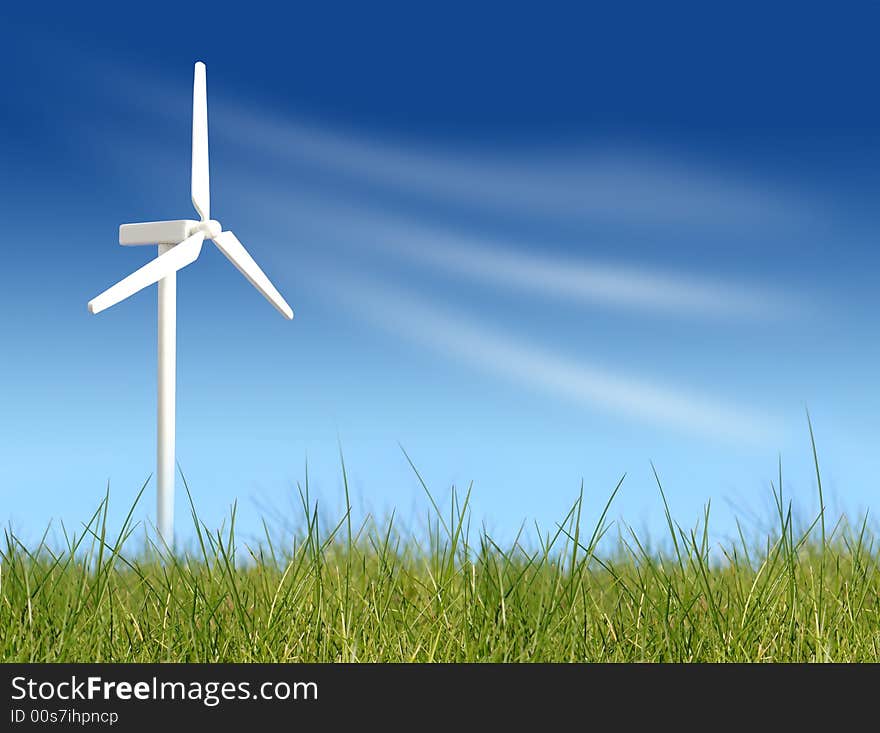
(368, 592)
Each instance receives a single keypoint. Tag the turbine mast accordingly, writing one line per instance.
(166, 405)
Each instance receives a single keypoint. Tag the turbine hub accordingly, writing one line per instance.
(211, 228)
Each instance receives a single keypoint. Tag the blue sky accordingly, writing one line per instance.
(532, 247)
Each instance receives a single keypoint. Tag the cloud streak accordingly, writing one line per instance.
(582, 281)
(489, 261)
(585, 182)
(481, 346)
(582, 182)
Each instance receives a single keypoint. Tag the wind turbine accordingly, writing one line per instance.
(180, 243)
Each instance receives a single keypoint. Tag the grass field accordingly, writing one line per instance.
(369, 593)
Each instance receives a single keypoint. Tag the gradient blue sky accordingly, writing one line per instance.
(531, 246)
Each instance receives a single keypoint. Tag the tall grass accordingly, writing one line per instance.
(369, 592)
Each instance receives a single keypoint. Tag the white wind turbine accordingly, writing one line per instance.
(180, 243)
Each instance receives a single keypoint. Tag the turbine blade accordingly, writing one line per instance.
(235, 252)
(201, 188)
(173, 260)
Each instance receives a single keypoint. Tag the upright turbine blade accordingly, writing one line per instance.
(175, 259)
(235, 252)
(201, 188)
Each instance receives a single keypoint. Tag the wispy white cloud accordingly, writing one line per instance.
(632, 186)
(587, 181)
(468, 341)
(584, 281)
(584, 182)
(527, 267)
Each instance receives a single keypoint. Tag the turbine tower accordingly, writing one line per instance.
(180, 243)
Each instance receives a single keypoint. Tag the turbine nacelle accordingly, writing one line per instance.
(166, 232)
